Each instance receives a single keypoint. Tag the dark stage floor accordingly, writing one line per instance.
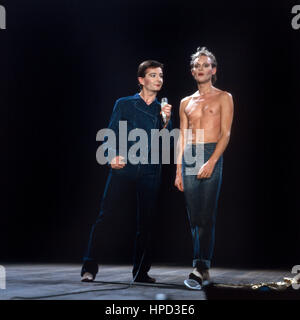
(62, 282)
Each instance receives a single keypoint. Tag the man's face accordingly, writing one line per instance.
(203, 70)
(153, 79)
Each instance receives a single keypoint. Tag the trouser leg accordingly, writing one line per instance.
(111, 204)
(147, 193)
(201, 197)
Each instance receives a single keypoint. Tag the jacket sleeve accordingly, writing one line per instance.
(113, 148)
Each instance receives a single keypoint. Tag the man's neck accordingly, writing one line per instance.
(204, 88)
(148, 96)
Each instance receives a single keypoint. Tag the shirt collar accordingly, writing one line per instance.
(137, 95)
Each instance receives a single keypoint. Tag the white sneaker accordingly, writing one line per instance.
(193, 284)
(194, 281)
(197, 280)
(87, 277)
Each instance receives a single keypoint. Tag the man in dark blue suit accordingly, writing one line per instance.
(140, 111)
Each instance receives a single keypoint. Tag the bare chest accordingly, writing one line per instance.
(202, 108)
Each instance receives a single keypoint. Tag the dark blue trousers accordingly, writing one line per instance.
(143, 181)
(201, 196)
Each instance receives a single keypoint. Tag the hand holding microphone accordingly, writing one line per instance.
(165, 109)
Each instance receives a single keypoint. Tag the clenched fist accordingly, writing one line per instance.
(167, 110)
(118, 162)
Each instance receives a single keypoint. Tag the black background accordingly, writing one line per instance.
(62, 66)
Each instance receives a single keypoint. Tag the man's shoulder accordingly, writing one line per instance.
(186, 99)
(223, 94)
(128, 98)
(225, 98)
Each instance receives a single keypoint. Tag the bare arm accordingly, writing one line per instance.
(226, 122)
(181, 142)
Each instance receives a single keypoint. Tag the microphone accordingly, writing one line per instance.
(164, 101)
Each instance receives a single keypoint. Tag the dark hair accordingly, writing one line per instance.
(202, 51)
(148, 64)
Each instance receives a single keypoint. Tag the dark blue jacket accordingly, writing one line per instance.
(138, 115)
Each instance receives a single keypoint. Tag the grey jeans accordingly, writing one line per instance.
(201, 196)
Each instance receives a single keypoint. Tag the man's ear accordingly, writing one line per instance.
(141, 81)
(214, 70)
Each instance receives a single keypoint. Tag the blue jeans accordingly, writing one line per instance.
(142, 181)
(201, 196)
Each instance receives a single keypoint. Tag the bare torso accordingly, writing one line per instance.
(204, 112)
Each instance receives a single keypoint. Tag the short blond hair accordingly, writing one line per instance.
(203, 51)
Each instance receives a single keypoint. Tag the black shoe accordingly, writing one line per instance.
(145, 278)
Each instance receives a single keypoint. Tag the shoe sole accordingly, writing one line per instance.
(144, 281)
(206, 283)
(192, 284)
(87, 280)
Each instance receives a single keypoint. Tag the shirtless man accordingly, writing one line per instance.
(211, 110)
